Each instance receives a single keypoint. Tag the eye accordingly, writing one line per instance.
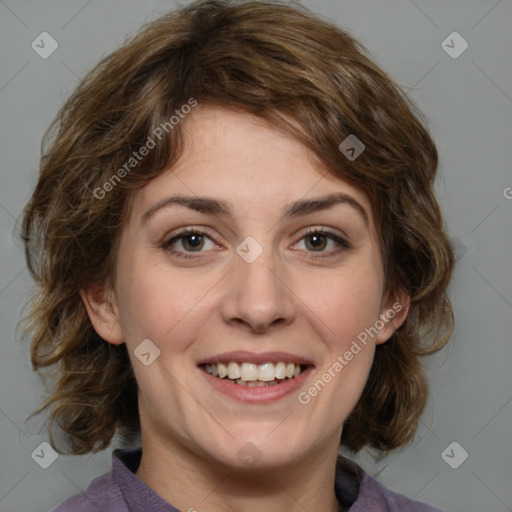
(191, 240)
(317, 240)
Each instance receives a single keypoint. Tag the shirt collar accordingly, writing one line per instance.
(139, 496)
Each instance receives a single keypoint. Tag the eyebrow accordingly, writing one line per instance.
(210, 206)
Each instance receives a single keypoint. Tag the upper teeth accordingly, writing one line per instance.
(251, 372)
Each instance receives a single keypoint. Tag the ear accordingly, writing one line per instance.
(103, 312)
(393, 314)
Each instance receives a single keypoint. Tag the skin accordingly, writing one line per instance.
(296, 297)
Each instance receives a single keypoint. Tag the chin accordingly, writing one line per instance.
(254, 452)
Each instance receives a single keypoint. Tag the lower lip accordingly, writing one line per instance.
(258, 394)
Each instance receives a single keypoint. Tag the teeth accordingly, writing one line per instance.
(250, 374)
(233, 370)
(280, 370)
(221, 369)
(248, 371)
(267, 372)
(255, 383)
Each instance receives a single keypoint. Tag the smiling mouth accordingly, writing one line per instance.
(255, 375)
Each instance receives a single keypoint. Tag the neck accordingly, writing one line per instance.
(193, 482)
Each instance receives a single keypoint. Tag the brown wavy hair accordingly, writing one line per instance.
(308, 78)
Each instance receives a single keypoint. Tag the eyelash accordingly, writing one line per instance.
(343, 244)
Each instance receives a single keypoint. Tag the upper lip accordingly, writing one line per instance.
(251, 357)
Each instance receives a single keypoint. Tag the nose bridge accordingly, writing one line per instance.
(257, 296)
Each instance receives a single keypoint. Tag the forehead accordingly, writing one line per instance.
(245, 162)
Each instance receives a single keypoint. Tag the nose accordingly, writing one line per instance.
(258, 295)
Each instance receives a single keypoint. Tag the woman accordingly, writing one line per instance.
(240, 256)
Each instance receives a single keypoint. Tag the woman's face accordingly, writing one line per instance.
(249, 284)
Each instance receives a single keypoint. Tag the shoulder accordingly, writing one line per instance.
(357, 491)
(102, 494)
(374, 496)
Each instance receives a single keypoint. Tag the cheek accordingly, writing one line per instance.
(156, 302)
(346, 304)
(343, 313)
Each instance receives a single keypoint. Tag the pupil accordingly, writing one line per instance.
(196, 240)
(317, 241)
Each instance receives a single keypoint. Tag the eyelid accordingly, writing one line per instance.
(342, 241)
(183, 232)
(326, 231)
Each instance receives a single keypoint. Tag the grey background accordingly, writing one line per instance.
(468, 102)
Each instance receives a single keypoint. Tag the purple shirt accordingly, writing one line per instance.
(122, 491)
